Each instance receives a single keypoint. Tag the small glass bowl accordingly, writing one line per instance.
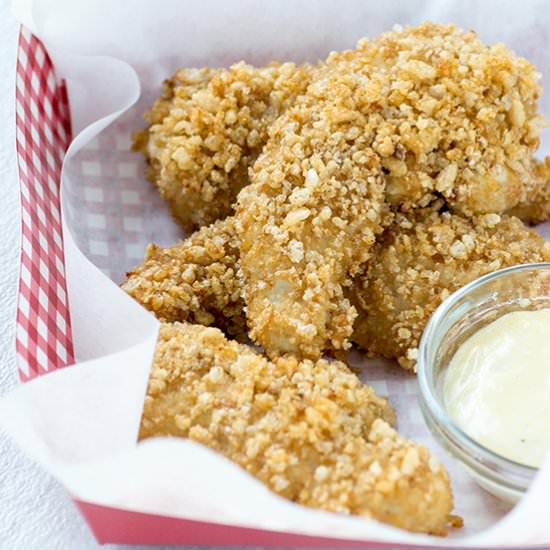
(522, 287)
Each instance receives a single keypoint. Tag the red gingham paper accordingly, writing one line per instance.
(43, 337)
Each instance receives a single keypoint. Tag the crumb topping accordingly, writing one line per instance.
(309, 430)
(420, 261)
(207, 127)
(195, 280)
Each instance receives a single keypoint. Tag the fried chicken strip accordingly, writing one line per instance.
(310, 431)
(195, 280)
(421, 260)
(207, 127)
(309, 218)
(459, 119)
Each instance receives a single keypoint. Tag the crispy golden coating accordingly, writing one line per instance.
(310, 216)
(195, 280)
(441, 113)
(450, 117)
(458, 119)
(421, 260)
(535, 208)
(207, 127)
(310, 431)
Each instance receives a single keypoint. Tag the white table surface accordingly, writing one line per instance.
(35, 511)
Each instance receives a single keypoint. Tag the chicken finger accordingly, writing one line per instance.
(310, 216)
(420, 261)
(459, 120)
(195, 280)
(207, 127)
(310, 431)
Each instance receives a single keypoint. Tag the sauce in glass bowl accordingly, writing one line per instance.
(497, 386)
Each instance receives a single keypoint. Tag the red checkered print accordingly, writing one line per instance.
(43, 338)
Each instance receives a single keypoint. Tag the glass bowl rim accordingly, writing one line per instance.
(434, 405)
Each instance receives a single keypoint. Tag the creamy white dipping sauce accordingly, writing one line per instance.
(497, 386)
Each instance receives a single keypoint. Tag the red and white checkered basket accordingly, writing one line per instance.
(44, 340)
(43, 125)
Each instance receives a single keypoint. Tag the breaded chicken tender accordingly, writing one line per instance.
(310, 216)
(421, 260)
(310, 431)
(458, 118)
(195, 280)
(207, 127)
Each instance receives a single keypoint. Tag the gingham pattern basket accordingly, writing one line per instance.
(43, 130)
